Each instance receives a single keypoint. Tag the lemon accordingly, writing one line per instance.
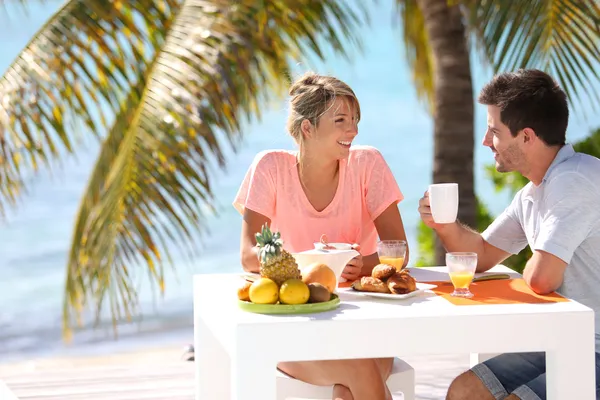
(294, 291)
(264, 291)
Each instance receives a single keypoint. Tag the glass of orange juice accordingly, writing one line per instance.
(461, 268)
(392, 252)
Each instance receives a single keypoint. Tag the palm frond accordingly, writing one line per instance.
(66, 81)
(418, 50)
(151, 187)
(557, 36)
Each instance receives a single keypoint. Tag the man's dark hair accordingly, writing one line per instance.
(529, 98)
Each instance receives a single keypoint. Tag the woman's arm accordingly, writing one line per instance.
(251, 224)
(389, 227)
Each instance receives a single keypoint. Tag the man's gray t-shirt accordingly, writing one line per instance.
(561, 216)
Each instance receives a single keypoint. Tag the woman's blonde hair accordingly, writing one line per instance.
(311, 97)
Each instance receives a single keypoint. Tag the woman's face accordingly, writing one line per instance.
(335, 131)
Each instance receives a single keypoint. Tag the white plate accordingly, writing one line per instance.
(421, 287)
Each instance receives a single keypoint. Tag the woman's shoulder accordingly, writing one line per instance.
(273, 158)
(364, 155)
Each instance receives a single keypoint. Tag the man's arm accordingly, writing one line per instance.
(569, 214)
(505, 232)
(544, 272)
(457, 237)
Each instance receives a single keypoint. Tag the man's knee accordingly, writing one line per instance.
(468, 386)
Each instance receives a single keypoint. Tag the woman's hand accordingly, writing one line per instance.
(353, 269)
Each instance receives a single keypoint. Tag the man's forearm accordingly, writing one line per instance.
(457, 237)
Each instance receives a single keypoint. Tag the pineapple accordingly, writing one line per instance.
(275, 263)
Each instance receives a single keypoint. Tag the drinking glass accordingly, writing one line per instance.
(461, 268)
(392, 252)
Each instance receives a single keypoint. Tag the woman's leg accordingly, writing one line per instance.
(341, 392)
(362, 377)
(385, 368)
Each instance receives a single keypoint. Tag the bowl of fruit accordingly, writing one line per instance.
(281, 287)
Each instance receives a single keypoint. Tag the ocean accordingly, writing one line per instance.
(35, 239)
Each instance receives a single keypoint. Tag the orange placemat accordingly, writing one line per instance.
(504, 291)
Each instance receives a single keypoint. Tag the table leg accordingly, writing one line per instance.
(571, 370)
(212, 364)
(253, 378)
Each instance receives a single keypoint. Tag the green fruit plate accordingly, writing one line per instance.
(307, 308)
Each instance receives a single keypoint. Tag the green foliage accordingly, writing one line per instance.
(559, 37)
(590, 145)
(513, 182)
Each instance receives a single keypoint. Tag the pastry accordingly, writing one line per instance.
(370, 284)
(401, 283)
(383, 271)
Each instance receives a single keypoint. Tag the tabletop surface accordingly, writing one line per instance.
(218, 302)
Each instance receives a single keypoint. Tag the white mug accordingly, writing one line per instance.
(443, 200)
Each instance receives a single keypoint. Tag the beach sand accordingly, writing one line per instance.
(151, 374)
(144, 356)
(160, 373)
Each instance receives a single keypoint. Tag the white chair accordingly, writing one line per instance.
(476, 358)
(402, 379)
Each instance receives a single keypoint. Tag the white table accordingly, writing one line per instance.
(5, 392)
(236, 352)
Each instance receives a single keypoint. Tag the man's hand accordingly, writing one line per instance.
(425, 212)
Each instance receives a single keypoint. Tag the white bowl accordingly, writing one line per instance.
(335, 259)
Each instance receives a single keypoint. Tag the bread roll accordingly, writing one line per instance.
(370, 284)
(401, 283)
(383, 271)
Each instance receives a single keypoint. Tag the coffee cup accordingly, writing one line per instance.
(443, 201)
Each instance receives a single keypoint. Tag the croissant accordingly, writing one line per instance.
(383, 271)
(401, 283)
(370, 284)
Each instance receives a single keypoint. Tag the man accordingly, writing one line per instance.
(557, 214)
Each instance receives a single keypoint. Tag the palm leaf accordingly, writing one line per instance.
(418, 50)
(212, 65)
(558, 36)
(64, 84)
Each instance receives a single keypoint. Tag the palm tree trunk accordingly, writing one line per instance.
(453, 112)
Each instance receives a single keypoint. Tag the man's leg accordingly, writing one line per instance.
(498, 376)
(536, 388)
(532, 390)
(468, 386)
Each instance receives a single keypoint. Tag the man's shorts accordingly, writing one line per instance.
(523, 374)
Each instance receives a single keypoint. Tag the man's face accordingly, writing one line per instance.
(507, 150)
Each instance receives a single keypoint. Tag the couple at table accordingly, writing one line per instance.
(349, 193)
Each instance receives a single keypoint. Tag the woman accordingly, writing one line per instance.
(327, 187)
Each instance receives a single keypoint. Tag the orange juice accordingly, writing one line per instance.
(395, 262)
(461, 279)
